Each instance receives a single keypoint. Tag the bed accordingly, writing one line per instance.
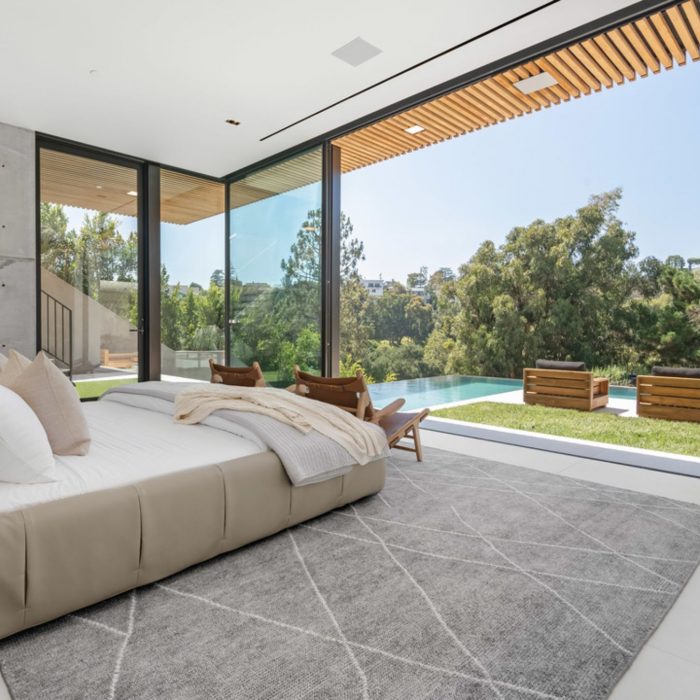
(150, 499)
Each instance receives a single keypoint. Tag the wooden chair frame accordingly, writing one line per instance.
(670, 398)
(352, 395)
(237, 376)
(564, 389)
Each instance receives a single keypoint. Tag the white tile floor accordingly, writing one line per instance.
(668, 667)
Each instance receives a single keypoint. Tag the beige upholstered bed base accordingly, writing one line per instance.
(63, 555)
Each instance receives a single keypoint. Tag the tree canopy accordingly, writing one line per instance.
(572, 288)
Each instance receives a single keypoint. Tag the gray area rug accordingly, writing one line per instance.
(464, 578)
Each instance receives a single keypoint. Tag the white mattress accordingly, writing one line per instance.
(129, 444)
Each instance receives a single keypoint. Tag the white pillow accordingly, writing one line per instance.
(15, 365)
(25, 453)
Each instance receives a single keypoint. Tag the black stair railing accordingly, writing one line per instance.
(57, 331)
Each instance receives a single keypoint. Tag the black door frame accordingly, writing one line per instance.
(329, 263)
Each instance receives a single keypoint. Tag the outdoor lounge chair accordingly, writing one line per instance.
(351, 394)
(564, 385)
(237, 376)
(672, 393)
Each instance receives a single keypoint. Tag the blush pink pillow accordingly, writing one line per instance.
(55, 401)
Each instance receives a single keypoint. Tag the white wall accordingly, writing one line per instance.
(17, 240)
(93, 324)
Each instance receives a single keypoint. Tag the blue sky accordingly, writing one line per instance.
(438, 204)
(435, 206)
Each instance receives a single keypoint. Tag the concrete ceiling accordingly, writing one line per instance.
(158, 79)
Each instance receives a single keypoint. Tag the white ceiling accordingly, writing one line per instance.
(169, 72)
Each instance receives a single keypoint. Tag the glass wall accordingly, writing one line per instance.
(483, 254)
(192, 236)
(275, 267)
(89, 269)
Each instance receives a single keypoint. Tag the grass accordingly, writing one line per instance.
(93, 389)
(647, 433)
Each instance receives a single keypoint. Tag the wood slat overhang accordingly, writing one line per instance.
(287, 175)
(96, 185)
(640, 48)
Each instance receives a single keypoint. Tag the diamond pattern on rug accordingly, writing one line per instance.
(464, 578)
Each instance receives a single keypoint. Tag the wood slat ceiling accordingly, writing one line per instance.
(288, 175)
(98, 186)
(186, 198)
(635, 50)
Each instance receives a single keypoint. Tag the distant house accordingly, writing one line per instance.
(181, 290)
(374, 287)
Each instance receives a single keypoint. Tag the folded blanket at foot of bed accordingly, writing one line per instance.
(314, 441)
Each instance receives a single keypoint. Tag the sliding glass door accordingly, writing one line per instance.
(274, 270)
(192, 278)
(91, 319)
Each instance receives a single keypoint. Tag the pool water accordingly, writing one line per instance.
(434, 391)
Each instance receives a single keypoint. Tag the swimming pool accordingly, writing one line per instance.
(434, 391)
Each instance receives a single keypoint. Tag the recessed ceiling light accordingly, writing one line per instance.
(133, 193)
(415, 129)
(356, 52)
(535, 82)
(233, 122)
(99, 187)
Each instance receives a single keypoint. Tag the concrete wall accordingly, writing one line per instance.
(17, 241)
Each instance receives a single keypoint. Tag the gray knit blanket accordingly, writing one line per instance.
(307, 458)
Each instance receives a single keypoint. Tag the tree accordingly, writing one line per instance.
(98, 252)
(650, 270)
(169, 313)
(58, 244)
(303, 263)
(356, 328)
(552, 289)
(417, 279)
(675, 261)
(217, 278)
(103, 253)
(127, 256)
(677, 320)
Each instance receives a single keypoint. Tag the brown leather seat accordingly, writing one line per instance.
(351, 394)
(236, 376)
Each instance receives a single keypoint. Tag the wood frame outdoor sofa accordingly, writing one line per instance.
(564, 385)
(672, 393)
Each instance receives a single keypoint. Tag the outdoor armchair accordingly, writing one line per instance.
(564, 385)
(672, 393)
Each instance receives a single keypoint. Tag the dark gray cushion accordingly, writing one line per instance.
(691, 372)
(560, 364)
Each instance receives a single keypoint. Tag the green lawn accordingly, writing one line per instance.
(647, 433)
(93, 389)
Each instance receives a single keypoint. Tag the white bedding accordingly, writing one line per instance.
(129, 444)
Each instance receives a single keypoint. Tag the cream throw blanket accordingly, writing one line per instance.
(363, 441)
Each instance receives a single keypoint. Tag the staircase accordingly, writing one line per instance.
(57, 332)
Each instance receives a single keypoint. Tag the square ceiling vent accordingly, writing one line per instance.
(356, 52)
